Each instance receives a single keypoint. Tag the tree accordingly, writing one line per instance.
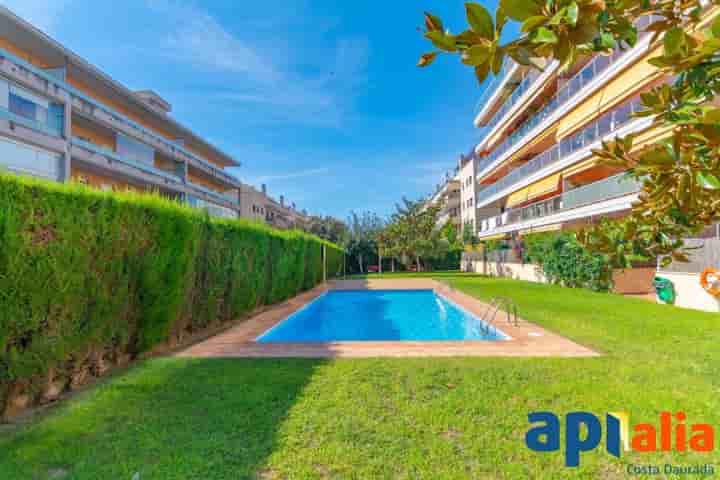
(469, 237)
(681, 175)
(361, 244)
(415, 232)
(329, 228)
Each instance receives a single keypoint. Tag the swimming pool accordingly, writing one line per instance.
(380, 315)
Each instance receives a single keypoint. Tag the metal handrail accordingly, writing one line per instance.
(495, 306)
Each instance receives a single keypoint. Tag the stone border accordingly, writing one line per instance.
(526, 339)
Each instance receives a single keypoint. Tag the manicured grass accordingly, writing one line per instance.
(387, 418)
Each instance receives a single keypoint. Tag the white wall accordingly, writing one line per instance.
(689, 293)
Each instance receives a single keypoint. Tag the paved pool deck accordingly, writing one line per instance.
(527, 339)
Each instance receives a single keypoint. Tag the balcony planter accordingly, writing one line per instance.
(634, 281)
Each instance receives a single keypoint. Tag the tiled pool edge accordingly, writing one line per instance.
(239, 341)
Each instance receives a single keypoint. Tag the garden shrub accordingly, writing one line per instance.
(565, 261)
(88, 278)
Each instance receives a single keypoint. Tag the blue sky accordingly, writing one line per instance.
(319, 99)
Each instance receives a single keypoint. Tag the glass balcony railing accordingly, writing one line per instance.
(602, 190)
(612, 187)
(592, 133)
(565, 92)
(508, 63)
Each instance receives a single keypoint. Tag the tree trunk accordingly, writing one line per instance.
(393, 264)
(360, 263)
(417, 260)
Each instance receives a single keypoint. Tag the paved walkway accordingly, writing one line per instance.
(528, 339)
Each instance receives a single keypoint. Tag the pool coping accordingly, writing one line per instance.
(526, 339)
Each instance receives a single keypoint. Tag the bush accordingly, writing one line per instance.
(88, 278)
(564, 261)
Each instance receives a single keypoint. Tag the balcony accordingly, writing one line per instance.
(593, 133)
(566, 91)
(614, 187)
(88, 106)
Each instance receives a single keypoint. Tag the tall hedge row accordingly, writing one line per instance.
(89, 278)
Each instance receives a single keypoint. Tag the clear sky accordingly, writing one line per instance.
(319, 99)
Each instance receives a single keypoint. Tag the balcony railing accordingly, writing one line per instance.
(169, 144)
(26, 122)
(602, 190)
(565, 92)
(508, 63)
(596, 130)
(91, 147)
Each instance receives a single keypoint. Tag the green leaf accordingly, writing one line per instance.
(442, 41)
(520, 10)
(544, 35)
(482, 71)
(708, 180)
(427, 58)
(477, 54)
(674, 41)
(533, 22)
(715, 28)
(480, 20)
(433, 23)
(572, 14)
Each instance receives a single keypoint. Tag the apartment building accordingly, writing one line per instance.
(534, 166)
(466, 175)
(62, 118)
(259, 206)
(447, 197)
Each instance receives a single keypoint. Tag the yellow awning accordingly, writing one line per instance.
(580, 167)
(537, 189)
(544, 228)
(499, 236)
(615, 91)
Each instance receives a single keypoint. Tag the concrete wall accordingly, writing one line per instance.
(689, 292)
(516, 271)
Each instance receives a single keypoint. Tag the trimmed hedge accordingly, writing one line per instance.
(89, 279)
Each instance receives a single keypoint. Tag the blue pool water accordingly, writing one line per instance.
(380, 315)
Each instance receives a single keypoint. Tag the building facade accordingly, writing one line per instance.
(63, 119)
(466, 176)
(534, 167)
(447, 197)
(259, 206)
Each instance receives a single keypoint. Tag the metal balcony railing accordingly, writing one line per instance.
(595, 131)
(566, 91)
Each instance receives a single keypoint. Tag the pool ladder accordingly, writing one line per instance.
(499, 305)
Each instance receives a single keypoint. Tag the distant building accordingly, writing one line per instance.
(447, 197)
(258, 205)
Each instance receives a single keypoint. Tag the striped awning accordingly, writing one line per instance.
(538, 189)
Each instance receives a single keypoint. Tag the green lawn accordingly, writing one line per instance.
(386, 418)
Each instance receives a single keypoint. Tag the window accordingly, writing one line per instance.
(134, 150)
(28, 160)
(32, 107)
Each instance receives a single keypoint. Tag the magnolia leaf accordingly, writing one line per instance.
(497, 61)
(442, 41)
(572, 13)
(674, 41)
(433, 23)
(544, 35)
(715, 28)
(520, 10)
(477, 54)
(708, 180)
(482, 71)
(480, 20)
(427, 58)
(533, 22)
